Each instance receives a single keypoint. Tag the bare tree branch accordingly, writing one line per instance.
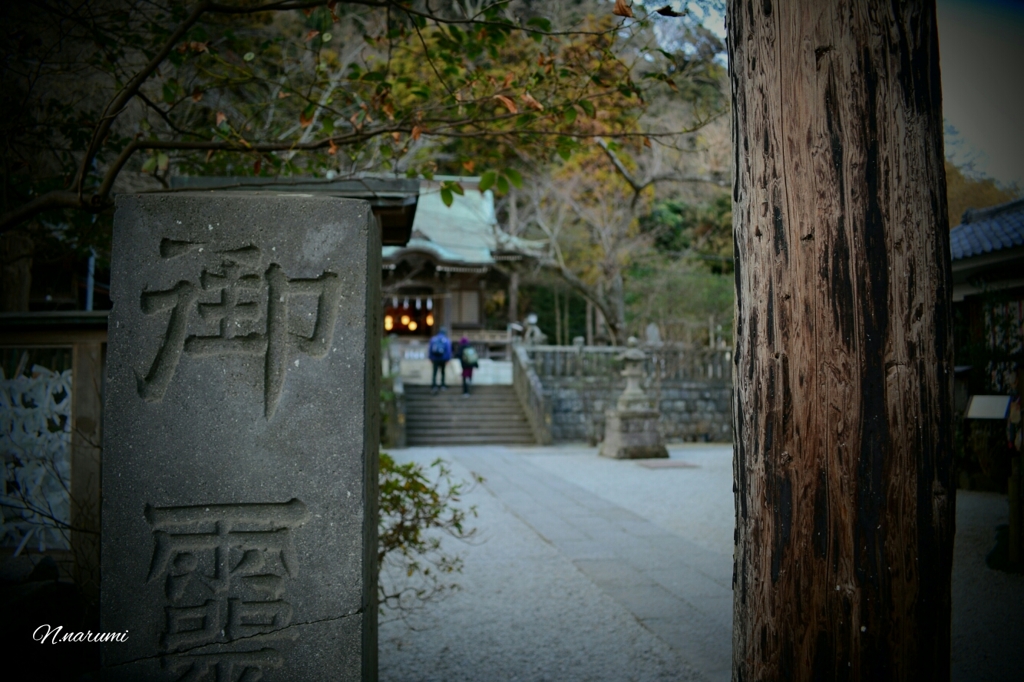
(640, 185)
(120, 101)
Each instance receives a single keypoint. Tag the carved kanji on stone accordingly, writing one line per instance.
(233, 295)
(224, 569)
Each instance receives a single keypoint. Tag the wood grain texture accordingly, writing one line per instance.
(86, 421)
(843, 378)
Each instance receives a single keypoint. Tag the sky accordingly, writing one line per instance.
(981, 46)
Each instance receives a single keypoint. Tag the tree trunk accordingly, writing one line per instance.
(565, 313)
(843, 410)
(513, 297)
(16, 251)
(558, 318)
(617, 302)
(590, 323)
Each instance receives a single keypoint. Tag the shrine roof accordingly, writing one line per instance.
(988, 230)
(461, 233)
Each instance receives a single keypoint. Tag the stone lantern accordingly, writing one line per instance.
(631, 428)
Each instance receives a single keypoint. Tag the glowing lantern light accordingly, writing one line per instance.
(412, 326)
(430, 319)
(405, 320)
(389, 322)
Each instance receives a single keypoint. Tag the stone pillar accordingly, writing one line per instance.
(240, 439)
(631, 428)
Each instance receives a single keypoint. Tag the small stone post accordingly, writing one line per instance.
(631, 429)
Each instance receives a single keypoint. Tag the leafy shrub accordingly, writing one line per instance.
(418, 507)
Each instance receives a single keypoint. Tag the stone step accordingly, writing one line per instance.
(482, 390)
(440, 428)
(420, 418)
(462, 416)
(442, 411)
(492, 415)
(457, 395)
(522, 439)
(459, 400)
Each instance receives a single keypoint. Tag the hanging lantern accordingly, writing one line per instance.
(430, 304)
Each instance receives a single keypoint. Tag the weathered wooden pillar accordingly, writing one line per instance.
(86, 420)
(843, 411)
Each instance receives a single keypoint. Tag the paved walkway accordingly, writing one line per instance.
(595, 569)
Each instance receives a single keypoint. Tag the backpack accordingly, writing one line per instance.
(437, 347)
(469, 356)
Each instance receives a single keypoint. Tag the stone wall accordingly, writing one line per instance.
(691, 410)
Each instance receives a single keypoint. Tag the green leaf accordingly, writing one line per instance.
(162, 161)
(150, 165)
(570, 115)
(539, 23)
(446, 196)
(487, 180)
(170, 90)
(453, 186)
(249, 56)
(588, 107)
(503, 184)
(514, 177)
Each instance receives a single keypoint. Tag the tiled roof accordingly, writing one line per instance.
(461, 233)
(988, 229)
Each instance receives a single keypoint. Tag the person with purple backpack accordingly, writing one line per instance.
(470, 361)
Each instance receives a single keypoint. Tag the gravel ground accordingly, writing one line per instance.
(696, 504)
(527, 612)
(524, 613)
(988, 605)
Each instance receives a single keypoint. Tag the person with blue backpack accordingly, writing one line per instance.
(440, 351)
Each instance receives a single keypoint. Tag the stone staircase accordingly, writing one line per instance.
(492, 415)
